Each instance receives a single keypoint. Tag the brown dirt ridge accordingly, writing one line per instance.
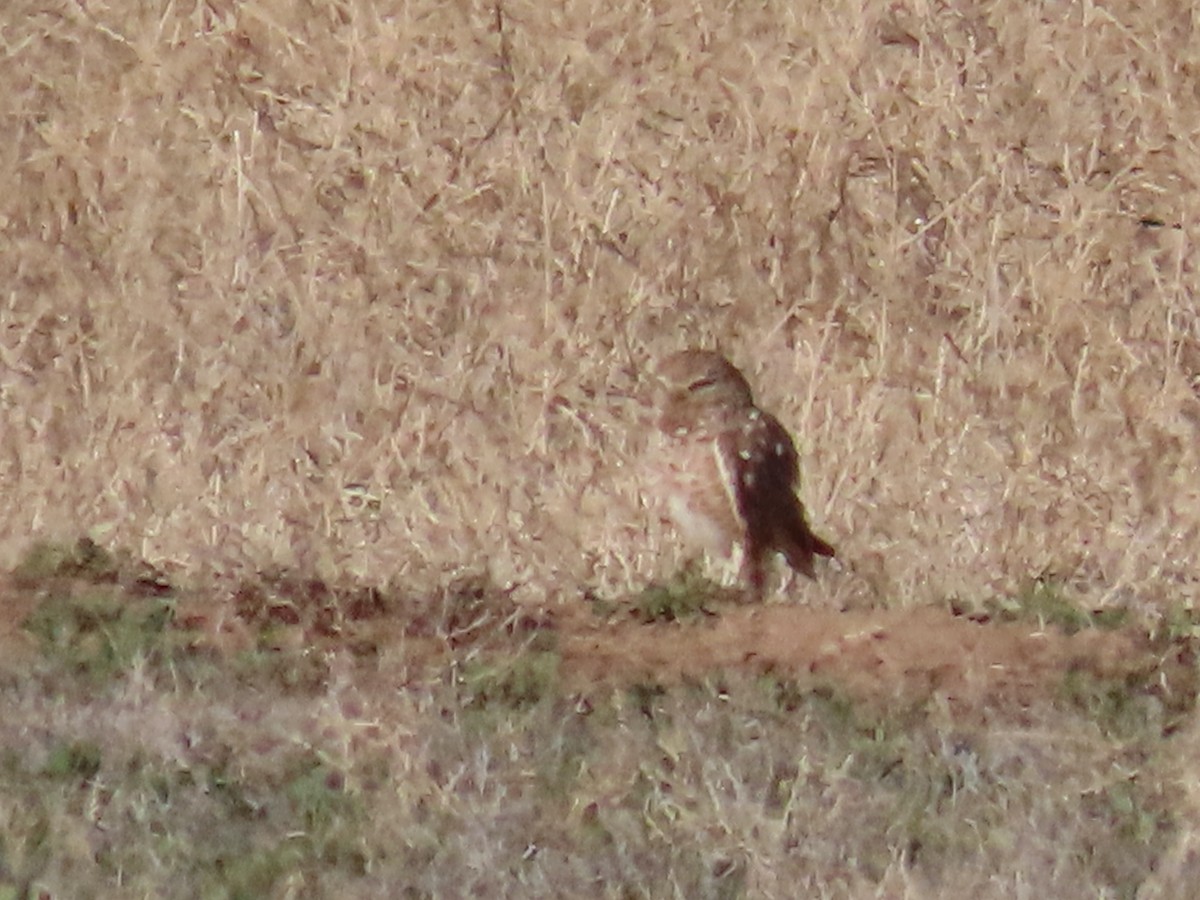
(876, 655)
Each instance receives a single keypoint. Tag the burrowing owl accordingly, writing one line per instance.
(730, 470)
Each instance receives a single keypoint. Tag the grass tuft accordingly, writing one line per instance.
(1047, 603)
(515, 682)
(686, 596)
(76, 760)
(100, 633)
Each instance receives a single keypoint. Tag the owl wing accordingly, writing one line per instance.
(765, 472)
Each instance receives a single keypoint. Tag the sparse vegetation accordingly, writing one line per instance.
(686, 596)
(723, 787)
(1123, 707)
(99, 633)
(85, 560)
(514, 682)
(337, 313)
(1046, 602)
(489, 753)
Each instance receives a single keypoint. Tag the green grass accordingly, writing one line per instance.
(513, 682)
(1048, 603)
(135, 762)
(686, 596)
(1125, 707)
(85, 560)
(99, 633)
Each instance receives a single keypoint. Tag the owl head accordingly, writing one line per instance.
(698, 385)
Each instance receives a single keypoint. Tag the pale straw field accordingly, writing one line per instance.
(362, 293)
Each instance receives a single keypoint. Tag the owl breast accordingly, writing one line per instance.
(696, 487)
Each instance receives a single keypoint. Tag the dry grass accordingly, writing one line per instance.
(365, 289)
(388, 748)
(362, 290)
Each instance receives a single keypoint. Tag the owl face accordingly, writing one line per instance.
(697, 386)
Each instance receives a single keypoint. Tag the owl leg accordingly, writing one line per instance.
(754, 571)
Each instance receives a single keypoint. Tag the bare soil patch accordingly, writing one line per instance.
(881, 656)
(877, 655)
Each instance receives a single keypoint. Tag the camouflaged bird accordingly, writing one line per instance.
(730, 471)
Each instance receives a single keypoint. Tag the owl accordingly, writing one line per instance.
(728, 470)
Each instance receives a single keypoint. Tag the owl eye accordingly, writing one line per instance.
(701, 383)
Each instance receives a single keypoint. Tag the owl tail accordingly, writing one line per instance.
(799, 545)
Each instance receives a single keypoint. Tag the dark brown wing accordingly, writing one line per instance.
(765, 472)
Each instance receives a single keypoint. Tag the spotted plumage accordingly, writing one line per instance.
(730, 470)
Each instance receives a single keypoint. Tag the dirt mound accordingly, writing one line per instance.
(881, 655)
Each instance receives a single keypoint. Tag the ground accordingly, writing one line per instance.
(283, 734)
